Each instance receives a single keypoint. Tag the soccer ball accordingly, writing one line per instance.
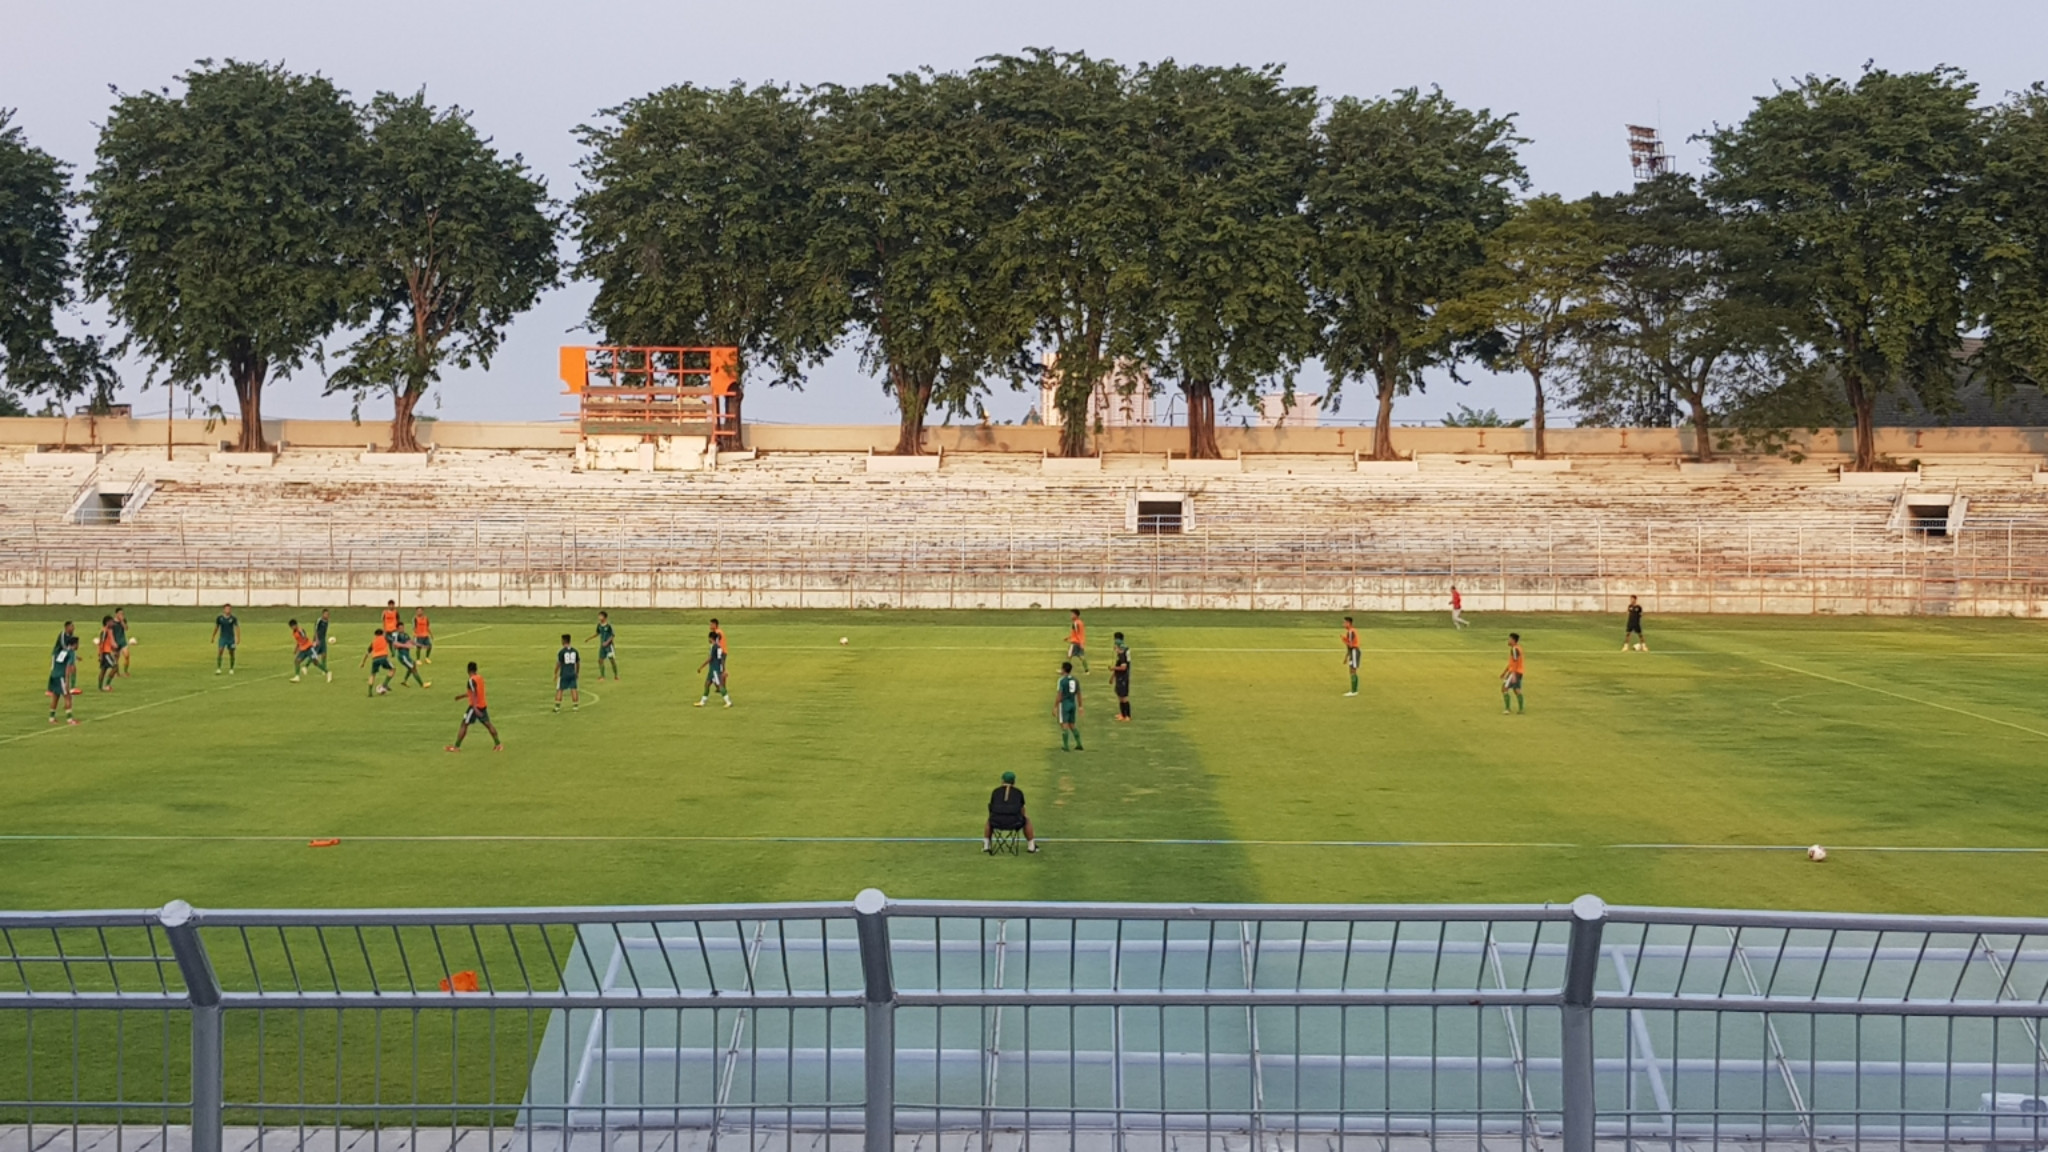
(132, 641)
(842, 641)
(1816, 853)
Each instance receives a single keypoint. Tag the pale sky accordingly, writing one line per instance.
(1574, 72)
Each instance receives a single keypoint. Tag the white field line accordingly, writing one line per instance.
(1908, 699)
(1459, 845)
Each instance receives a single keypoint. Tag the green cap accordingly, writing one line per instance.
(1009, 777)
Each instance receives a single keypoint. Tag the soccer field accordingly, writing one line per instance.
(1692, 774)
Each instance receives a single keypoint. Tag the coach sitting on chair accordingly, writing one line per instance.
(1006, 813)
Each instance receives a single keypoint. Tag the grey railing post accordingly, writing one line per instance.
(1575, 1030)
(870, 914)
(203, 989)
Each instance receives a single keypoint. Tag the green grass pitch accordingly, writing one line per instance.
(1247, 775)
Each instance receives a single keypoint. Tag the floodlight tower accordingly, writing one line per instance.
(1646, 155)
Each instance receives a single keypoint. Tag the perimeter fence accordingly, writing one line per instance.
(1731, 564)
(977, 1026)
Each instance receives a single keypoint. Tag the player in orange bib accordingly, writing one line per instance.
(1351, 654)
(1077, 641)
(303, 656)
(1511, 676)
(423, 635)
(379, 659)
(110, 654)
(390, 617)
(476, 710)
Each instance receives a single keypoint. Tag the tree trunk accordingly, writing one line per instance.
(739, 432)
(404, 435)
(1071, 399)
(248, 373)
(1702, 430)
(1537, 377)
(1861, 402)
(1383, 424)
(913, 400)
(1201, 420)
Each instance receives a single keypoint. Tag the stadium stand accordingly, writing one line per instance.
(993, 529)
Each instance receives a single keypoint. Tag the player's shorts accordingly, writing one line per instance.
(1068, 713)
(1121, 681)
(304, 656)
(320, 647)
(1007, 822)
(226, 643)
(476, 715)
(1512, 682)
(1075, 651)
(57, 685)
(1351, 659)
(715, 674)
(381, 664)
(565, 683)
(406, 661)
(607, 652)
(108, 662)
(1634, 630)
(424, 643)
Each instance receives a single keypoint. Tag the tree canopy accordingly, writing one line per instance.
(36, 357)
(695, 221)
(1230, 286)
(221, 225)
(907, 198)
(454, 241)
(1404, 192)
(1859, 195)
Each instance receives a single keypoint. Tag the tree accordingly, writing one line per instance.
(1859, 195)
(1074, 256)
(1537, 294)
(36, 282)
(1230, 293)
(1405, 190)
(221, 220)
(455, 241)
(2012, 290)
(905, 205)
(1676, 333)
(695, 222)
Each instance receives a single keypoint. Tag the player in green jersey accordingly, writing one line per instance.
(713, 668)
(62, 657)
(225, 631)
(320, 645)
(121, 641)
(406, 651)
(606, 649)
(568, 666)
(1067, 705)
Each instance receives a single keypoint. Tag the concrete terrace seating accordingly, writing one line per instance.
(991, 515)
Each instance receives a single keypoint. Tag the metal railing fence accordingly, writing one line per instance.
(1734, 564)
(1107, 1026)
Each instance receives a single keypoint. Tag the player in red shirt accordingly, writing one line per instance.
(1457, 607)
(476, 710)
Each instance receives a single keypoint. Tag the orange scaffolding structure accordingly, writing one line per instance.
(656, 391)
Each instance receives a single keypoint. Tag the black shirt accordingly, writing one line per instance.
(1635, 617)
(1122, 667)
(1006, 802)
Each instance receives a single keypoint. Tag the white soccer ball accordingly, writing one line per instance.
(1816, 853)
(132, 641)
(842, 640)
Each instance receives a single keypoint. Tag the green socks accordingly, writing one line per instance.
(1354, 683)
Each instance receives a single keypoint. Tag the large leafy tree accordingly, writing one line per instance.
(1405, 190)
(1230, 293)
(36, 357)
(695, 221)
(1076, 255)
(1860, 196)
(1537, 295)
(906, 200)
(2011, 289)
(455, 240)
(1679, 341)
(221, 220)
